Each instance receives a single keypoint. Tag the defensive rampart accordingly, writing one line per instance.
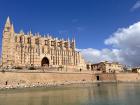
(31, 79)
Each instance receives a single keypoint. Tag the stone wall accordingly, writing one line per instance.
(30, 78)
(14, 78)
(128, 77)
(106, 77)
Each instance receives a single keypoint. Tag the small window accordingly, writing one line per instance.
(37, 41)
(46, 42)
(28, 40)
(52, 43)
(20, 39)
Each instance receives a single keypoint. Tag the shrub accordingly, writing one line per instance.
(83, 80)
(31, 68)
(3, 71)
(18, 67)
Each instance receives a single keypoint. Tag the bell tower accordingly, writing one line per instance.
(8, 44)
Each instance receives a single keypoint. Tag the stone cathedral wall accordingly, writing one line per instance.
(27, 49)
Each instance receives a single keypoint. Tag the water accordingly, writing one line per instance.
(87, 94)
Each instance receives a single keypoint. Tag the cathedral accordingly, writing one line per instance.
(25, 50)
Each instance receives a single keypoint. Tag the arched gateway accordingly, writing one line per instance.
(45, 62)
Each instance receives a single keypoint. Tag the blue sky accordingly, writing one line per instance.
(89, 21)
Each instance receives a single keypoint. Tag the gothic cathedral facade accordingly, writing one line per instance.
(24, 50)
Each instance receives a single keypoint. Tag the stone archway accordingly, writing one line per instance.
(45, 62)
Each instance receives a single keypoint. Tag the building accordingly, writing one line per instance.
(107, 67)
(136, 70)
(24, 50)
(88, 65)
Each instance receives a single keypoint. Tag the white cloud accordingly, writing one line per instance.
(94, 55)
(125, 43)
(136, 6)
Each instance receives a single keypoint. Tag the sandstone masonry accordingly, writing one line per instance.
(20, 49)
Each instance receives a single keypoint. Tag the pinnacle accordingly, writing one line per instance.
(12, 28)
(8, 23)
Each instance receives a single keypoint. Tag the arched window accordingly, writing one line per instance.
(46, 42)
(28, 40)
(37, 41)
(20, 39)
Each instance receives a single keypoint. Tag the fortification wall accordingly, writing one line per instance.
(128, 77)
(31, 78)
(16, 78)
(106, 77)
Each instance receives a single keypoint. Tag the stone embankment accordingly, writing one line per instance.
(28, 79)
(51, 84)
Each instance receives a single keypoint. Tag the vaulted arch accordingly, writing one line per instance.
(45, 62)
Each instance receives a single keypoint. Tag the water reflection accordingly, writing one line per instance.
(89, 94)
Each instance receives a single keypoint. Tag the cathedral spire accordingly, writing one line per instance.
(12, 28)
(8, 23)
(30, 32)
(74, 39)
(68, 39)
